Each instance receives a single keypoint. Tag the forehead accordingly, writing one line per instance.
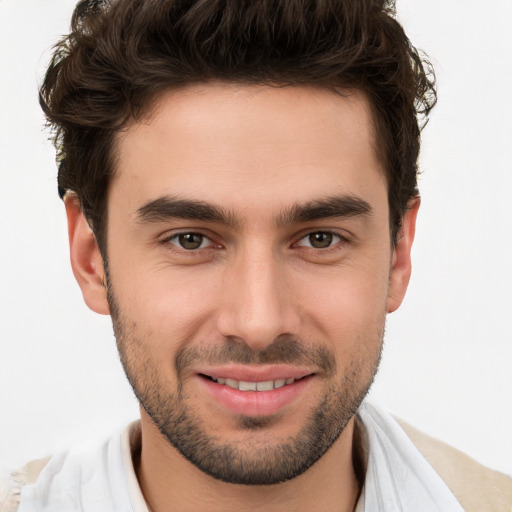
(246, 146)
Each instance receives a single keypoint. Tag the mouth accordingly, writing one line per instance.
(242, 385)
(251, 392)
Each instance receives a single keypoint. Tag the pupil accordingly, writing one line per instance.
(191, 240)
(320, 240)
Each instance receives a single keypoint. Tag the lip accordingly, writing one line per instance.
(256, 373)
(255, 403)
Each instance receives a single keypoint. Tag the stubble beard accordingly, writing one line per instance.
(253, 461)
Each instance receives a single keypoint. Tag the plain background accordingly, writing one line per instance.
(448, 352)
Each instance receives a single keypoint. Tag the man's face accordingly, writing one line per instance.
(248, 245)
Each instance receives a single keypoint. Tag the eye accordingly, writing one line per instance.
(190, 241)
(319, 240)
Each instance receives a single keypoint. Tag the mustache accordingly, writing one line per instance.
(285, 349)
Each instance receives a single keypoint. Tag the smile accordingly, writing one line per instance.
(242, 385)
(256, 395)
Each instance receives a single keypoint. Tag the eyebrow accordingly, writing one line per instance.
(167, 207)
(326, 208)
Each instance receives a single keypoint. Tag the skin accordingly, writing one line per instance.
(255, 152)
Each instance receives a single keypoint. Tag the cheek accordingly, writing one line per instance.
(167, 307)
(347, 305)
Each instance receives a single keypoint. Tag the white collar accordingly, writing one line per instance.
(398, 477)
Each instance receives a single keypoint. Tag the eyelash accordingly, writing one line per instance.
(175, 236)
(336, 240)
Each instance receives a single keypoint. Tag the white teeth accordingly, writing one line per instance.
(265, 386)
(247, 386)
(232, 383)
(279, 383)
(254, 386)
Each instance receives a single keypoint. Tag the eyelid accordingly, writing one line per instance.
(341, 237)
(168, 237)
(336, 239)
(204, 240)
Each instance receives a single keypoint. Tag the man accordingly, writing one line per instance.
(240, 185)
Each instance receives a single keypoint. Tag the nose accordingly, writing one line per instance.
(258, 303)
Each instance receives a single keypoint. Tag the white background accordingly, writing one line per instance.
(448, 355)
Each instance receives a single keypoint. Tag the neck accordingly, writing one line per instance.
(170, 483)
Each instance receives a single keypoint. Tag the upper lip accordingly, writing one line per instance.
(262, 373)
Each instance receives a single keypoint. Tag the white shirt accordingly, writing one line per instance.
(398, 477)
(102, 479)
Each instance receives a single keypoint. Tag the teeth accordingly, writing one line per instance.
(279, 383)
(255, 386)
(265, 386)
(232, 383)
(247, 386)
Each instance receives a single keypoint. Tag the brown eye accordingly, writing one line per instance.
(319, 240)
(190, 241)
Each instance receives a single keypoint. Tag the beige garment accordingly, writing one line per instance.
(478, 488)
(10, 488)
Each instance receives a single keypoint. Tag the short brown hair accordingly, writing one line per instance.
(120, 54)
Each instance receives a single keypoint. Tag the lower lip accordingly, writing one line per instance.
(256, 403)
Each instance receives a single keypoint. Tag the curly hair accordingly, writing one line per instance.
(121, 54)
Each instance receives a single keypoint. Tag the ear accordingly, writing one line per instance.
(86, 259)
(401, 261)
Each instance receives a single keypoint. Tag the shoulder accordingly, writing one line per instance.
(477, 487)
(90, 476)
(12, 483)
